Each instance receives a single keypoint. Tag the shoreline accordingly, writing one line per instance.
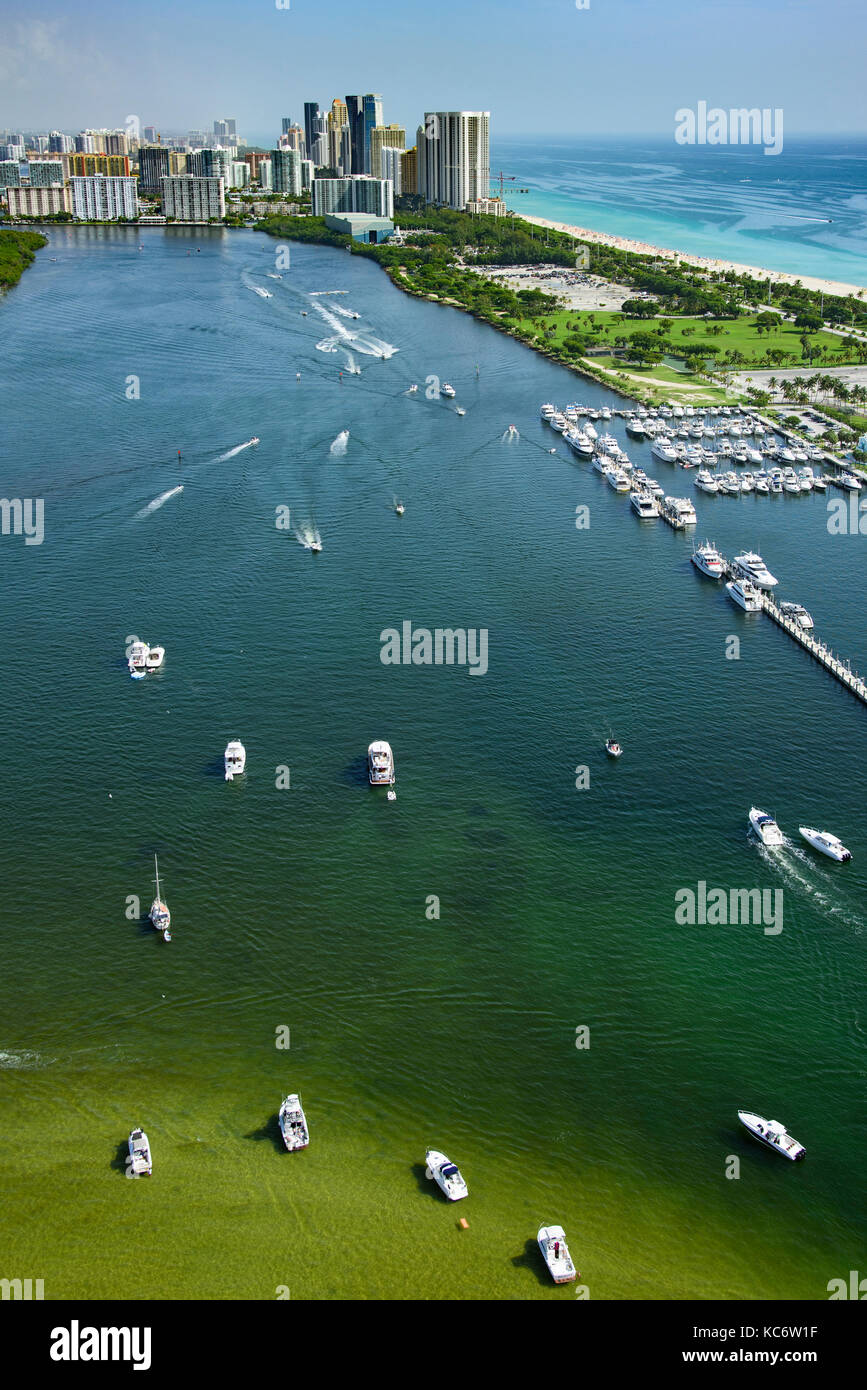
(620, 243)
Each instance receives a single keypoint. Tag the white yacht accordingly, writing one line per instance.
(820, 482)
(661, 448)
(546, 411)
(644, 505)
(140, 1162)
(602, 463)
(849, 481)
(581, 443)
(155, 658)
(446, 1176)
(636, 429)
(766, 828)
(680, 511)
(655, 489)
(380, 764)
(559, 423)
(555, 1253)
(753, 455)
(791, 481)
(762, 484)
(752, 566)
(619, 481)
(705, 480)
(748, 482)
(826, 843)
(798, 613)
(708, 559)
(742, 592)
(137, 654)
(234, 759)
(775, 482)
(448, 390)
(159, 914)
(772, 1133)
(293, 1124)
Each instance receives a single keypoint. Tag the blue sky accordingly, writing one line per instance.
(539, 66)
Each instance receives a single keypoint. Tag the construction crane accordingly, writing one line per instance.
(501, 176)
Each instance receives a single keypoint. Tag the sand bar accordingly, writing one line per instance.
(810, 282)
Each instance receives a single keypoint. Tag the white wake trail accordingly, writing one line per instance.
(158, 502)
(338, 445)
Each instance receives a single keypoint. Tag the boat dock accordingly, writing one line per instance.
(832, 663)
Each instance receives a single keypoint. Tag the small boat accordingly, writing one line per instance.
(555, 1253)
(137, 654)
(612, 748)
(155, 658)
(848, 481)
(380, 764)
(159, 914)
(708, 559)
(316, 546)
(446, 1176)
(293, 1124)
(798, 613)
(448, 390)
(742, 592)
(826, 843)
(766, 828)
(772, 1133)
(140, 1162)
(412, 388)
(399, 508)
(460, 411)
(254, 440)
(234, 759)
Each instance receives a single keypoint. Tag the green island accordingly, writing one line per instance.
(682, 336)
(17, 251)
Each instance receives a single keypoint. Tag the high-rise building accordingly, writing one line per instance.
(117, 142)
(225, 131)
(391, 168)
(359, 193)
(293, 139)
(188, 198)
(340, 148)
(311, 114)
(393, 136)
(8, 152)
(46, 173)
(286, 124)
(101, 198)
(308, 172)
(355, 117)
(409, 171)
(10, 173)
(266, 174)
(149, 135)
(372, 117)
(454, 164)
(38, 202)
(253, 160)
(60, 144)
(85, 165)
(210, 164)
(286, 171)
(153, 164)
(85, 143)
(240, 176)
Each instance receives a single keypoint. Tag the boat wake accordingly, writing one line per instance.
(511, 435)
(338, 445)
(364, 343)
(249, 284)
(158, 502)
(802, 874)
(230, 454)
(351, 365)
(308, 536)
(19, 1061)
(347, 313)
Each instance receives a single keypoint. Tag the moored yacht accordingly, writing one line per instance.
(679, 511)
(708, 559)
(644, 505)
(446, 1175)
(742, 592)
(753, 567)
(618, 480)
(545, 411)
(160, 917)
(773, 1134)
(661, 448)
(139, 1163)
(798, 613)
(705, 480)
(380, 764)
(293, 1124)
(555, 1253)
(826, 843)
(234, 759)
(766, 828)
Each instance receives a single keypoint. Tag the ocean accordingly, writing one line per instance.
(308, 907)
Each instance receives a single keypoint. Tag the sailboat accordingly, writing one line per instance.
(159, 913)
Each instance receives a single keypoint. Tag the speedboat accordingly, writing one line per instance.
(849, 481)
(798, 613)
(612, 748)
(766, 828)
(654, 488)
(448, 390)
(139, 1162)
(708, 559)
(160, 917)
(643, 505)
(446, 1176)
(742, 592)
(234, 759)
(555, 1253)
(137, 654)
(581, 443)
(772, 1133)
(316, 546)
(748, 482)
(775, 483)
(826, 843)
(753, 567)
(559, 423)
(254, 440)
(602, 464)
(380, 764)
(806, 476)
(762, 484)
(154, 658)
(414, 387)
(460, 411)
(399, 508)
(791, 481)
(293, 1124)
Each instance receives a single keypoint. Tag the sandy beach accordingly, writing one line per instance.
(809, 282)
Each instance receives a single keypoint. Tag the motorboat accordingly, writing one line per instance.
(612, 748)
(602, 463)
(791, 481)
(806, 477)
(644, 505)
(137, 653)
(748, 482)
(555, 1253)
(820, 482)
(636, 429)
(448, 390)
(581, 443)
(848, 481)
(708, 559)
(139, 1164)
(661, 448)
(254, 440)
(446, 1176)
(705, 480)
(160, 917)
(742, 592)
(762, 484)
(753, 567)
(618, 480)
(654, 488)
(826, 843)
(293, 1124)
(399, 508)
(775, 484)
(680, 512)
(315, 546)
(557, 422)
(460, 411)
(798, 613)
(380, 764)
(766, 828)
(154, 658)
(773, 1134)
(414, 387)
(234, 759)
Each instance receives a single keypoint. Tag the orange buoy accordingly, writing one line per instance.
(464, 1224)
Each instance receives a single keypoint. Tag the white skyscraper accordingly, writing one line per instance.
(454, 162)
(390, 166)
(102, 198)
(359, 193)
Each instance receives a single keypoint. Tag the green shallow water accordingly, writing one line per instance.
(305, 907)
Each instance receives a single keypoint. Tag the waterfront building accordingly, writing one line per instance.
(15, 149)
(358, 193)
(240, 175)
(355, 118)
(372, 116)
(101, 198)
(409, 171)
(154, 166)
(390, 167)
(38, 202)
(286, 171)
(46, 173)
(210, 164)
(493, 207)
(192, 198)
(253, 159)
(454, 157)
(10, 173)
(86, 165)
(361, 226)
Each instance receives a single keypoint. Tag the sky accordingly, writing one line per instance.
(539, 66)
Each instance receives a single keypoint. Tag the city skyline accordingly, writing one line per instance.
(595, 70)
